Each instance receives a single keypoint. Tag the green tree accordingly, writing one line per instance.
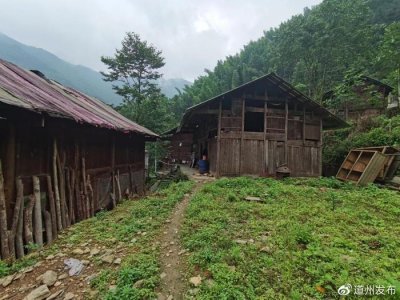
(135, 67)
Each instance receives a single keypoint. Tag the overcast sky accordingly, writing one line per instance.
(192, 34)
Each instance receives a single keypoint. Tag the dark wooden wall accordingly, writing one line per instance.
(181, 146)
(96, 167)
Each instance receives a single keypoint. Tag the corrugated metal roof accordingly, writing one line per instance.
(24, 89)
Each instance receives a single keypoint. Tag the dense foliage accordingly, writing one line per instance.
(313, 50)
(308, 238)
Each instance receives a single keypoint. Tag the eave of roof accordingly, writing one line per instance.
(26, 90)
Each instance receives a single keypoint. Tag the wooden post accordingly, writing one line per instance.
(85, 191)
(48, 226)
(56, 190)
(265, 156)
(61, 189)
(16, 216)
(219, 139)
(38, 225)
(28, 220)
(19, 242)
(52, 205)
(242, 134)
(5, 252)
(286, 131)
(9, 170)
(113, 171)
(304, 124)
(320, 146)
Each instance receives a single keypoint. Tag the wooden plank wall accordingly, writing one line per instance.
(291, 136)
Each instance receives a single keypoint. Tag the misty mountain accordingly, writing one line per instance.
(79, 77)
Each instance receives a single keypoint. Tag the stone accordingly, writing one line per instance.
(182, 252)
(19, 276)
(40, 293)
(77, 251)
(6, 296)
(55, 295)
(194, 291)
(139, 284)
(161, 297)
(49, 278)
(85, 261)
(134, 240)
(108, 258)
(94, 251)
(69, 296)
(6, 281)
(90, 278)
(62, 276)
(27, 270)
(266, 249)
(112, 287)
(256, 199)
(58, 283)
(195, 281)
(170, 297)
(242, 242)
(50, 257)
(163, 275)
(86, 250)
(117, 261)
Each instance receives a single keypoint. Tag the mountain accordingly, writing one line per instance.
(76, 76)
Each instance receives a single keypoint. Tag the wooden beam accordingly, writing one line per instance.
(219, 138)
(9, 171)
(265, 168)
(304, 125)
(286, 130)
(242, 134)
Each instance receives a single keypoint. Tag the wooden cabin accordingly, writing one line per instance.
(258, 127)
(180, 147)
(372, 98)
(64, 156)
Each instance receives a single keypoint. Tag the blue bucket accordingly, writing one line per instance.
(203, 166)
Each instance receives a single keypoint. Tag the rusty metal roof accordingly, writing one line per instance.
(27, 90)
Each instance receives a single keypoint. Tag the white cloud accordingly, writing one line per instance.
(192, 35)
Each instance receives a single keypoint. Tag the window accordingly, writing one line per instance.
(254, 121)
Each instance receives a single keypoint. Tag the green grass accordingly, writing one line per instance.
(316, 235)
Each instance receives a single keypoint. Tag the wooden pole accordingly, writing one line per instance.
(242, 134)
(85, 189)
(52, 205)
(118, 186)
(28, 220)
(9, 171)
(5, 251)
(113, 170)
(286, 131)
(91, 194)
(19, 241)
(304, 124)
(48, 226)
(61, 189)
(38, 225)
(16, 216)
(56, 190)
(70, 194)
(219, 139)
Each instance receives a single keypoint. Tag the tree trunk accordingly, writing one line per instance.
(48, 226)
(38, 224)
(5, 251)
(52, 205)
(15, 220)
(28, 220)
(56, 190)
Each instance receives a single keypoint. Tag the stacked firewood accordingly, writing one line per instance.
(69, 199)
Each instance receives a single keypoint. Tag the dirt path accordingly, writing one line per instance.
(172, 260)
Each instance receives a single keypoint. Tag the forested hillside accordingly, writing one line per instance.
(313, 50)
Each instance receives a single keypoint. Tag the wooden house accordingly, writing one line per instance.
(371, 98)
(63, 157)
(259, 126)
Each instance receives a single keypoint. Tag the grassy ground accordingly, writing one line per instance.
(131, 230)
(309, 237)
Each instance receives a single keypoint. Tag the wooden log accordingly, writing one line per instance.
(5, 251)
(78, 201)
(91, 195)
(70, 195)
(48, 226)
(56, 190)
(52, 205)
(19, 241)
(61, 187)
(73, 213)
(85, 189)
(118, 186)
(28, 220)
(38, 224)
(15, 219)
